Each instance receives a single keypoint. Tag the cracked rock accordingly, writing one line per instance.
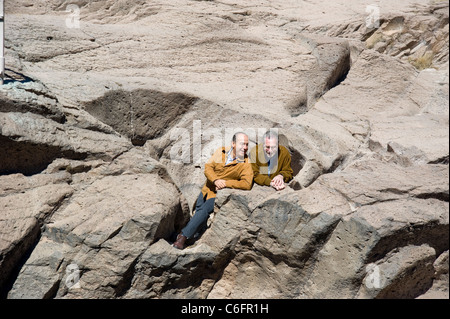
(105, 129)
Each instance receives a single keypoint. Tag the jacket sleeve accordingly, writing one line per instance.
(286, 169)
(210, 166)
(260, 179)
(245, 181)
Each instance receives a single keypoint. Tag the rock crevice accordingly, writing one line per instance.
(105, 130)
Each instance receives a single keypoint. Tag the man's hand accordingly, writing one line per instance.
(220, 183)
(278, 182)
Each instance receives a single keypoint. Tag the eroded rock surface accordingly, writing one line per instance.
(105, 127)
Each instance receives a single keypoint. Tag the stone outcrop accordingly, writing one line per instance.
(111, 108)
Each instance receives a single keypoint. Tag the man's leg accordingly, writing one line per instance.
(202, 210)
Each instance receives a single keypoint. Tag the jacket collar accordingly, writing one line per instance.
(226, 150)
(262, 155)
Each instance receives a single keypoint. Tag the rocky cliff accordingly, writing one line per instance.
(110, 109)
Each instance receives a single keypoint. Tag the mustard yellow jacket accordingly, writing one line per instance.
(237, 174)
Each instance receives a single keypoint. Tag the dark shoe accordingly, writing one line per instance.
(179, 243)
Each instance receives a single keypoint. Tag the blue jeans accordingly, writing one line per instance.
(202, 210)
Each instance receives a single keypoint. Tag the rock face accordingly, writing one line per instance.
(111, 108)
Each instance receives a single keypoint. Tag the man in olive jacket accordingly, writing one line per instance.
(229, 167)
(271, 163)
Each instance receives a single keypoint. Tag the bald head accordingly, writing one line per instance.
(240, 144)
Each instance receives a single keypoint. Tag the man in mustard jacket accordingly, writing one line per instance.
(229, 167)
(271, 163)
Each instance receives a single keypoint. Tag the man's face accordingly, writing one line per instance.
(241, 145)
(270, 147)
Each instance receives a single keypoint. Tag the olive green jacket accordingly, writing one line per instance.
(260, 165)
